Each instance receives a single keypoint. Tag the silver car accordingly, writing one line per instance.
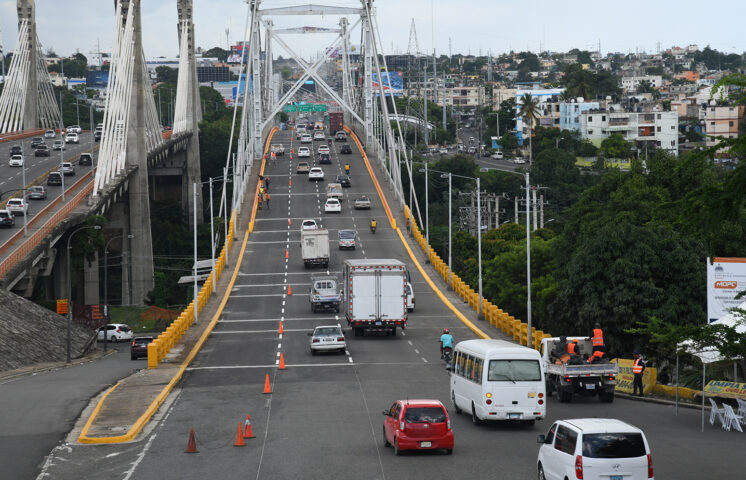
(328, 338)
(347, 239)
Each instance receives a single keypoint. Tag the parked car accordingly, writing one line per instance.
(67, 169)
(306, 139)
(345, 150)
(309, 224)
(417, 425)
(327, 338)
(344, 180)
(72, 138)
(347, 239)
(58, 145)
(85, 160)
(325, 158)
(36, 192)
(17, 206)
(323, 149)
(7, 219)
(443, 151)
(303, 167)
(42, 150)
(594, 448)
(362, 203)
(139, 347)
(54, 179)
(332, 205)
(316, 173)
(36, 141)
(115, 332)
(50, 134)
(16, 150)
(16, 161)
(319, 135)
(304, 152)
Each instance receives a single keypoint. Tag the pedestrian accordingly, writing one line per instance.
(261, 189)
(260, 199)
(638, 367)
(274, 157)
(266, 199)
(266, 183)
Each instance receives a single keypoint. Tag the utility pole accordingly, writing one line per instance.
(444, 100)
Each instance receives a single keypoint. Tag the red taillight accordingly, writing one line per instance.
(567, 379)
(315, 340)
(488, 402)
(579, 467)
(340, 339)
(541, 402)
(541, 395)
(611, 377)
(118, 330)
(133, 343)
(650, 466)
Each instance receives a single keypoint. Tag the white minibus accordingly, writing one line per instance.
(498, 380)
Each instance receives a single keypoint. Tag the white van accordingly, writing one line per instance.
(498, 380)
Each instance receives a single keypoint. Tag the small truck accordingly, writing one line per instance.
(278, 149)
(577, 376)
(324, 293)
(315, 248)
(334, 190)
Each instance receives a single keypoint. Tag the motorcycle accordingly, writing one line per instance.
(373, 228)
(447, 357)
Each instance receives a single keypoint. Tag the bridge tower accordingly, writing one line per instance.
(27, 101)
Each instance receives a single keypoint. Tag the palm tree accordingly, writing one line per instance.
(529, 109)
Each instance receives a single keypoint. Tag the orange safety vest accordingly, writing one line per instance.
(596, 354)
(637, 366)
(571, 349)
(598, 337)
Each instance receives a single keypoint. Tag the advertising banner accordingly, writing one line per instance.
(626, 377)
(393, 84)
(726, 278)
(721, 388)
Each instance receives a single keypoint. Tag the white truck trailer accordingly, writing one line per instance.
(315, 248)
(375, 295)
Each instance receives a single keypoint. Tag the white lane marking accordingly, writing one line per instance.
(350, 359)
(403, 334)
(279, 346)
(277, 362)
(424, 359)
(282, 311)
(291, 319)
(279, 336)
(409, 342)
(416, 351)
(341, 364)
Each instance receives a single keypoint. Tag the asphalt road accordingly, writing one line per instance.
(40, 409)
(323, 418)
(11, 178)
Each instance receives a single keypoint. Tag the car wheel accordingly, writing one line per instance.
(474, 418)
(113, 339)
(541, 473)
(397, 452)
(393, 332)
(385, 440)
(453, 399)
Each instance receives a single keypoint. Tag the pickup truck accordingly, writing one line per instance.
(324, 293)
(278, 149)
(579, 376)
(334, 190)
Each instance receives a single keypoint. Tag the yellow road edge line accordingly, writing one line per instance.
(427, 278)
(137, 427)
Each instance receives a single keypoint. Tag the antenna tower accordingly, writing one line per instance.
(414, 45)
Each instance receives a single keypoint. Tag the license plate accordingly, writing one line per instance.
(591, 386)
(378, 322)
(616, 477)
(514, 416)
(428, 445)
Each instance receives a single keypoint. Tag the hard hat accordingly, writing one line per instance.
(445, 330)
(574, 340)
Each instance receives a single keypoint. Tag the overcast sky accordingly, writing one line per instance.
(471, 25)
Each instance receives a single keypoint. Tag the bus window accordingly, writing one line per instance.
(478, 370)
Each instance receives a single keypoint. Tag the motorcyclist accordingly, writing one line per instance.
(347, 168)
(446, 341)
(373, 226)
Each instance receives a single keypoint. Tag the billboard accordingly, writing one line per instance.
(393, 83)
(726, 278)
(96, 78)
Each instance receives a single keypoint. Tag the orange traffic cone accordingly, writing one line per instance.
(280, 331)
(290, 180)
(192, 445)
(282, 362)
(247, 433)
(286, 253)
(267, 387)
(239, 438)
(290, 291)
(290, 222)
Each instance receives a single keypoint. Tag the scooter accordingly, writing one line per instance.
(373, 228)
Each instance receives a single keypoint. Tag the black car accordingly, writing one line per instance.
(97, 135)
(86, 159)
(36, 141)
(345, 149)
(7, 219)
(344, 180)
(325, 158)
(54, 178)
(41, 150)
(16, 150)
(139, 347)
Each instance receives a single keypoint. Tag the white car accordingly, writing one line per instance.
(74, 129)
(410, 298)
(498, 155)
(306, 139)
(17, 206)
(300, 130)
(519, 161)
(72, 138)
(594, 449)
(327, 338)
(332, 205)
(58, 145)
(16, 161)
(115, 332)
(67, 169)
(304, 152)
(316, 173)
(309, 224)
(50, 134)
(319, 135)
(443, 151)
(323, 149)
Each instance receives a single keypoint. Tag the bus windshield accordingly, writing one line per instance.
(514, 371)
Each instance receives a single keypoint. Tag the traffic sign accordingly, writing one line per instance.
(62, 306)
(290, 108)
(319, 107)
(96, 312)
(308, 107)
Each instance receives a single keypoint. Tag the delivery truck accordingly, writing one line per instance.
(315, 248)
(375, 295)
(336, 122)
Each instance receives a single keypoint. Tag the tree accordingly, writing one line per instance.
(216, 52)
(164, 74)
(615, 146)
(286, 72)
(529, 110)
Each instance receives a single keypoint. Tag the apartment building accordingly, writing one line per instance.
(657, 128)
(686, 108)
(458, 97)
(548, 109)
(721, 122)
(630, 84)
(571, 114)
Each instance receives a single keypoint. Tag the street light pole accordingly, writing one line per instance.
(25, 204)
(70, 286)
(480, 313)
(450, 226)
(194, 270)
(427, 215)
(212, 241)
(528, 263)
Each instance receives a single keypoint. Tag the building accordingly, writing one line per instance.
(631, 83)
(687, 108)
(571, 114)
(721, 122)
(213, 74)
(458, 97)
(547, 113)
(57, 79)
(657, 128)
(689, 76)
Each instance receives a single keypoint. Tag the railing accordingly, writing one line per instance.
(9, 137)
(496, 316)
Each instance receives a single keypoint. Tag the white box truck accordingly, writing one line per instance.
(375, 295)
(315, 248)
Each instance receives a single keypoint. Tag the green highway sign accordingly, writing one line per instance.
(305, 108)
(290, 108)
(320, 107)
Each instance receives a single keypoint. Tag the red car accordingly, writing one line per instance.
(417, 425)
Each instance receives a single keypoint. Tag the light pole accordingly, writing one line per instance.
(427, 214)
(25, 203)
(212, 241)
(194, 270)
(70, 286)
(450, 223)
(106, 286)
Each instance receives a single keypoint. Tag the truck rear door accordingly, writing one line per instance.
(391, 287)
(364, 296)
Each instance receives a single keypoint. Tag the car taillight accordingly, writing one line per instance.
(579, 467)
(541, 402)
(488, 401)
(315, 340)
(567, 379)
(541, 395)
(340, 339)
(118, 330)
(611, 377)
(650, 466)
(133, 343)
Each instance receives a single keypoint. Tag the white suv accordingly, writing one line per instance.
(72, 137)
(115, 332)
(594, 449)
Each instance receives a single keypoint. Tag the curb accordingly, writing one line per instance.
(20, 372)
(660, 401)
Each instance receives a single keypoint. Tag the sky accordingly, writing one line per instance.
(471, 26)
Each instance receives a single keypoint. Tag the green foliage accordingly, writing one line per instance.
(589, 85)
(75, 67)
(216, 52)
(615, 146)
(164, 74)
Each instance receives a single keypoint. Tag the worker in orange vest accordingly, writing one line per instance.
(572, 347)
(638, 366)
(597, 355)
(597, 339)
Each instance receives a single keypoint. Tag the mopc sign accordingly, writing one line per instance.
(726, 278)
(720, 388)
